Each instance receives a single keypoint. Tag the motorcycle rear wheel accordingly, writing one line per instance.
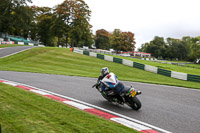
(135, 103)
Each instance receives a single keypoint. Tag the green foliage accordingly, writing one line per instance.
(157, 47)
(15, 17)
(119, 41)
(74, 16)
(176, 49)
(122, 41)
(186, 49)
(128, 43)
(102, 39)
(44, 22)
(193, 45)
(69, 22)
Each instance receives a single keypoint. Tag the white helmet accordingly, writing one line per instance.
(104, 71)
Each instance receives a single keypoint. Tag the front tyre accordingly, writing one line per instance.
(104, 95)
(135, 103)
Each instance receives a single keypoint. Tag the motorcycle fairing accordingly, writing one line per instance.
(110, 80)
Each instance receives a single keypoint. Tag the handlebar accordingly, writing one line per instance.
(95, 85)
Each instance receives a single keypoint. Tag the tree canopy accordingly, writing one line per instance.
(118, 40)
(66, 24)
(102, 39)
(188, 48)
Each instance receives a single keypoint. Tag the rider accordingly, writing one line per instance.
(103, 87)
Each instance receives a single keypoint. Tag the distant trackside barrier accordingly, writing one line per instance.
(173, 74)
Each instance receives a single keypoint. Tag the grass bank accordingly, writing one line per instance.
(9, 45)
(25, 112)
(62, 61)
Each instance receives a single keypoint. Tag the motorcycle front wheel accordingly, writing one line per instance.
(108, 99)
(135, 103)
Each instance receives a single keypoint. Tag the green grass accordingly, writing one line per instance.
(25, 112)
(62, 61)
(196, 66)
(195, 69)
(9, 45)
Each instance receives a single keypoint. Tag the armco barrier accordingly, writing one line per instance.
(179, 75)
(86, 53)
(108, 58)
(127, 62)
(151, 69)
(138, 65)
(117, 60)
(195, 78)
(164, 72)
(100, 56)
(93, 54)
(173, 74)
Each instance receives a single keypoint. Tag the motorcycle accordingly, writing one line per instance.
(116, 92)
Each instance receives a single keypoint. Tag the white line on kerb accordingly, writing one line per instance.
(94, 106)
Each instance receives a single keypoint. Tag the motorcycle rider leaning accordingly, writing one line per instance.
(102, 87)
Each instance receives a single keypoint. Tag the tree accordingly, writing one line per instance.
(128, 41)
(15, 17)
(116, 40)
(157, 47)
(186, 49)
(122, 41)
(75, 14)
(44, 23)
(102, 39)
(176, 49)
(144, 47)
(193, 46)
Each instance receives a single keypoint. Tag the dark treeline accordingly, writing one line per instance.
(67, 23)
(188, 48)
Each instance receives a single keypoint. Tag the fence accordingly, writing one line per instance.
(173, 74)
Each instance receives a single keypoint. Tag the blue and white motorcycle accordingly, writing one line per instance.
(116, 92)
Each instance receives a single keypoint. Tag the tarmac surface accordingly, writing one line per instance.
(4, 52)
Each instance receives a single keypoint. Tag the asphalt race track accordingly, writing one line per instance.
(174, 109)
(11, 50)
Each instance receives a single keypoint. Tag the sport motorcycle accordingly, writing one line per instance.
(116, 92)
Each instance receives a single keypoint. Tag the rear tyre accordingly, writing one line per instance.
(135, 103)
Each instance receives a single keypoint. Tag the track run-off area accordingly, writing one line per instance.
(174, 109)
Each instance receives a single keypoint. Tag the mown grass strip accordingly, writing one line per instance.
(63, 61)
(25, 112)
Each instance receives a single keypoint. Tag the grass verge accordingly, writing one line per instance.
(62, 61)
(25, 112)
(9, 45)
